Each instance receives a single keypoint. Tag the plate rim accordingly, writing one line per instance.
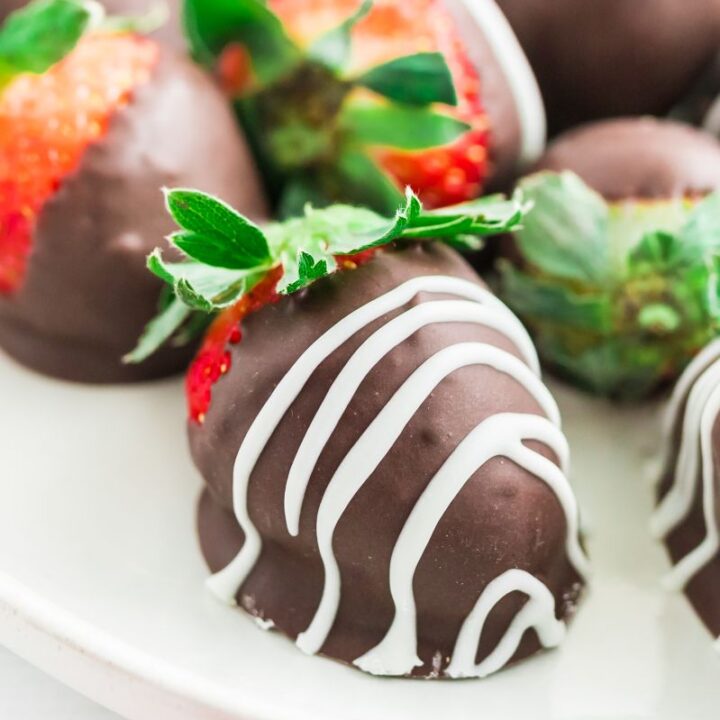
(49, 631)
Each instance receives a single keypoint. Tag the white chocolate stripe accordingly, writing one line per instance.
(226, 583)
(500, 435)
(538, 613)
(518, 74)
(372, 446)
(369, 354)
(695, 560)
(676, 504)
(692, 372)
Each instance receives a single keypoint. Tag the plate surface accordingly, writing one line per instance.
(101, 581)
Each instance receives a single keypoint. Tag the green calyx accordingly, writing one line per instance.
(311, 132)
(619, 296)
(42, 33)
(226, 255)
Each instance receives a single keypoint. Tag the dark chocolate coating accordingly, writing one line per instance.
(87, 294)
(638, 158)
(170, 33)
(605, 58)
(703, 590)
(498, 99)
(503, 518)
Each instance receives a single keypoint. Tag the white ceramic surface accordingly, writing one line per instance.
(101, 582)
(27, 693)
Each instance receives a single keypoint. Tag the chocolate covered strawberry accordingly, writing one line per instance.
(355, 100)
(384, 468)
(94, 120)
(615, 269)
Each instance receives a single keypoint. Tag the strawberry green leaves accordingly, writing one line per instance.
(226, 255)
(403, 127)
(315, 122)
(308, 271)
(215, 234)
(213, 24)
(37, 36)
(418, 79)
(333, 48)
(566, 233)
(362, 179)
(42, 33)
(619, 296)
(308, 246)
(701, 232)
(159, 330)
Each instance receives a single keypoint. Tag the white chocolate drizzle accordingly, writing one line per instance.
(697, 396)
(365, 358)
(372, 446)
(498, 435)
(226, 583)
(537, 613)
(519, 75)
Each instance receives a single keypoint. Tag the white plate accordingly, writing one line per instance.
(101, 582)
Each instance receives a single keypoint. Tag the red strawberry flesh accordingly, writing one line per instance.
(46, 123)
(393, 28)
(213, 360)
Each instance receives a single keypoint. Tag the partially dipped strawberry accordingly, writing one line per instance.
(87, 140)
(46, 125)
(232, 267)
(353, 101)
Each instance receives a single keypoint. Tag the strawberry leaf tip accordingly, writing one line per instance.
(417, 79)
(37, 36)
(400, 126)
(308, 270)
(41, 34)
(158, 330)
(333, 48)
(226, 255)
(215, 234)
